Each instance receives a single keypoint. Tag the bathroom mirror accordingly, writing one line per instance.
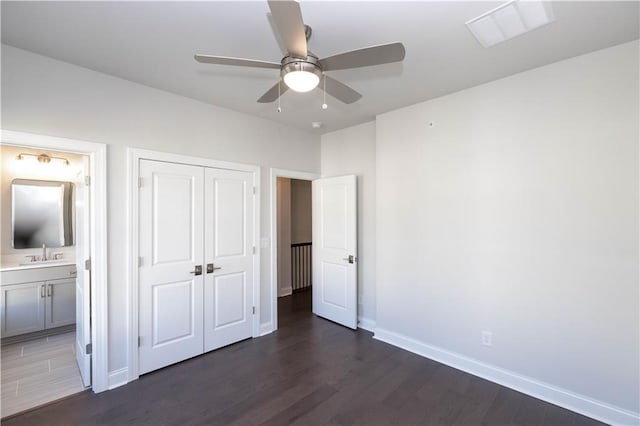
(42, 213)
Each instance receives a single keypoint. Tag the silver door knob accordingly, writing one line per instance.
(350, 259)
(197, 271)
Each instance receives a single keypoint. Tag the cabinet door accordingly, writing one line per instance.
(22, 308)
(61, 303)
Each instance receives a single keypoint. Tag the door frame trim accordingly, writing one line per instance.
(134, 155)
(274, 174)
(97, 153)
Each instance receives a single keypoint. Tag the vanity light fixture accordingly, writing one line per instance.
(42, 158)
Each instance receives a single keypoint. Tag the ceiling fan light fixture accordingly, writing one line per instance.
(301, 81)
(301, 75)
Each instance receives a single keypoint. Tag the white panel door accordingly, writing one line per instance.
(229, 221)
(171, 249)
(83, 279)
(334, 249)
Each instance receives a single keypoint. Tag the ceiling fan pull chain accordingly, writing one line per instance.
(279, 109)
(324, 99)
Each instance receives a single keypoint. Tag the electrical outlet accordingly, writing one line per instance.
(487, 338)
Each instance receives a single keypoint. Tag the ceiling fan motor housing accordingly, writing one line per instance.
(310, 64)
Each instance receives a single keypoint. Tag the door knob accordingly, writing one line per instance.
(197, 271)
(350, 259)
(211, 268)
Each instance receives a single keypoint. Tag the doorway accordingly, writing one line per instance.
(294, 247)
(275, 291)
(52, 192)
(334, 249)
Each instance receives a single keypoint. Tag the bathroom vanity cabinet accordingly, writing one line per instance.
(35, 299)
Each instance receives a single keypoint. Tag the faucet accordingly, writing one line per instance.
(44, 251)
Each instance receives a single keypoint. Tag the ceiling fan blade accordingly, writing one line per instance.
(374, 55)
(272, 94)
(240, 62)
(287, 18)
(339, 90)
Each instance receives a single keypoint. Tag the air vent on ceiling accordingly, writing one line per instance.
(510, 20)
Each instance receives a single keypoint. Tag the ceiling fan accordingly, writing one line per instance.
(300, 69)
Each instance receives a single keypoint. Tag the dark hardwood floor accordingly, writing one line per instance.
(311, 371)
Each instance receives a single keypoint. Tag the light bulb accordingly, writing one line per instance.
(301, 81)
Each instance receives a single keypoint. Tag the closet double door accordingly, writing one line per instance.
(196, 260)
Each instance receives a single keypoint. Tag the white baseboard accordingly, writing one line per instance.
(367, 324)
(118, 378)
(564, 398)
(265, 328)
(285, 291)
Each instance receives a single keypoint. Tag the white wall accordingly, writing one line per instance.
(49, 97)
(300, 211)
(352, 151)
(517, 213)
(283, 188)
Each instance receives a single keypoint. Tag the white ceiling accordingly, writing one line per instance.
(153, 43)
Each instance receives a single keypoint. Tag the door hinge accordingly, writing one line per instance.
(87, 180)
(87, 264)
(253, 310)
(88, 349)
(140, 182)
(254, 249)
(254, 190)
(139, 341)
(139, 261)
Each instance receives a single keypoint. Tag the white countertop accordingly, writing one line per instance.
(34, 265)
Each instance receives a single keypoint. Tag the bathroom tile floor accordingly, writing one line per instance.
(38, 371)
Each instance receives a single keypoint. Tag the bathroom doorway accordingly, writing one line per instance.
(47, 241)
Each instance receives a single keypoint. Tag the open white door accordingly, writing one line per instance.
(334, 249)
(83, 277)
(228, 291)
(170, 272)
